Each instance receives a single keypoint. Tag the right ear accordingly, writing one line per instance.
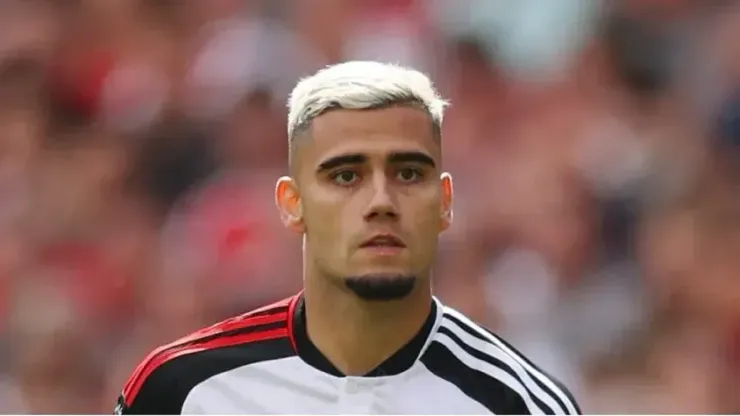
(288, 201)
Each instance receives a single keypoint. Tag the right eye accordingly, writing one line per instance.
(345, 178)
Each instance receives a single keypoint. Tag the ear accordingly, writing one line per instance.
(288, 201)
(447, 197)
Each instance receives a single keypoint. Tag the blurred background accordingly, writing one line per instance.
(595, 146)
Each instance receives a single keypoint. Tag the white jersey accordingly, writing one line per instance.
(264, 363)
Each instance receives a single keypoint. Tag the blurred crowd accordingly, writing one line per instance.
(595, 147)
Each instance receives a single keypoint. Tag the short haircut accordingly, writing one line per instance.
(361, 85)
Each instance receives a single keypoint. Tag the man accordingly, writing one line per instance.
(368, 197)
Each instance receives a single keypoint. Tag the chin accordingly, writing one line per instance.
(381, 286)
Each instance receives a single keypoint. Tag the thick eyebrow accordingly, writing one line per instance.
(417, 157)
(341, 160)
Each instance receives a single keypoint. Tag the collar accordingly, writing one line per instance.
(396, 364)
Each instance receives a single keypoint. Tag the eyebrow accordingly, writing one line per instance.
(417, 157)
(341, 160)
(359, 158)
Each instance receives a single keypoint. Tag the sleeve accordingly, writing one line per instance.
(567, 398)
(574, 402)
(155, 393)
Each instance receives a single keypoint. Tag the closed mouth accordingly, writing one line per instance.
(384, 241)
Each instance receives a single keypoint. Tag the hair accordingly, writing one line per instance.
(361, 85)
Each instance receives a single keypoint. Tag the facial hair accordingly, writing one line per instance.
(381, 287)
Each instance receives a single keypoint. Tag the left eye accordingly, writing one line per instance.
(408, 175)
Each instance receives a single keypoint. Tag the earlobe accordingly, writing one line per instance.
(288, 202)
(447, 197)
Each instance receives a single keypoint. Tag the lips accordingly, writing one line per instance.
(384, 240)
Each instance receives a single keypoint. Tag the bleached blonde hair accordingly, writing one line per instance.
(361, 85)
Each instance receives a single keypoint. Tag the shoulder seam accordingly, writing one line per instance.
(262, 322)
(493, 360)
(276, 307)
(460, 351)
(134, 387)
(556, 391)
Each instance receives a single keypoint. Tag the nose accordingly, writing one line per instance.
(382, 205)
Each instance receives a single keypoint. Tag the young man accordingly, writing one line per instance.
(368, 196)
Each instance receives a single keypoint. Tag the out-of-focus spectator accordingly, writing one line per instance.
(55, 363)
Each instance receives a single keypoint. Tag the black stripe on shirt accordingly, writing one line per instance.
(490, 392)
(476, 332)
(496, 363)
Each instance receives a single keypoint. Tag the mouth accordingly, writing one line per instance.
(384, 241)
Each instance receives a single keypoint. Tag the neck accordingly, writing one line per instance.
(355, 335)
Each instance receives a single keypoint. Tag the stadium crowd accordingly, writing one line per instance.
(595, 147)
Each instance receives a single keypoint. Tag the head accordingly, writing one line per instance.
(366, 189)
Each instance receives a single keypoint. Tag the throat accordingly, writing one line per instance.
(367, 338)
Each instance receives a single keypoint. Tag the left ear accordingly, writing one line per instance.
(447, 197)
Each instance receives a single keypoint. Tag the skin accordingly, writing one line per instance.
(357, 174)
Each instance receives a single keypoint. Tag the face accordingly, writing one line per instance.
(368, 195)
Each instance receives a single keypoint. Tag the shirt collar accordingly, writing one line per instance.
(397, 363)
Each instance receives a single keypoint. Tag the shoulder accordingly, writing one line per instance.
(162, 381)
(491, 371)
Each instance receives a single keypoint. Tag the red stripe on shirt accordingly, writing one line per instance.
(183, 350)
(242, 322)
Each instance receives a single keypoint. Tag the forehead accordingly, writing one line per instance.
(371, 132)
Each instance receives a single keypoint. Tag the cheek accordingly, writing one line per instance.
(426, 222)
(323, 221)
(424, 219)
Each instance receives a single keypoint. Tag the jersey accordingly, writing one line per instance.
(263, 362)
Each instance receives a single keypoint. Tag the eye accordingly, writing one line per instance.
(345, 178)
(409, 175)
